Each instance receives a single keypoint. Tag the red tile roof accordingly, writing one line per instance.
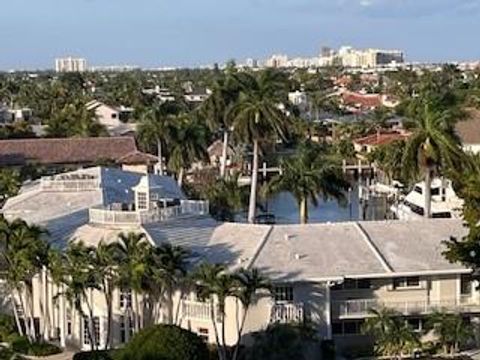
(362, 100)
(65, 150)
(381, 138)
(138, 157)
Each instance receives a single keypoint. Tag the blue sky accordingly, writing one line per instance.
(192, 32)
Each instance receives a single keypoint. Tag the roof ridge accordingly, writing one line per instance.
(260, 246)
(376, 252)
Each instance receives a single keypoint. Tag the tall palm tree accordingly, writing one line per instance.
(24, 253)
(107, 269)
(216, 109)
(257, 116)
(9, 183)
(171, 265)
(155, 127)
(249, 282)
(308, 175)
(131, 252)
(189, 144)
(214, 283)
(431, 149)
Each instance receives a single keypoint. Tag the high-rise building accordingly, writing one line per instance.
(70, 64)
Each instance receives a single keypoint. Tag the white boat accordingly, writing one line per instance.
(445, 203)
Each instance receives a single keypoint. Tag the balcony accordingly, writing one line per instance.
(99, 215)
(287, 313)
(361, 308)
(197, 310)
(73, 184)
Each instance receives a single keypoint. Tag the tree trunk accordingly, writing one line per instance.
(240, 332)
(180, 177)
(15, 313)
(170, 306)
(215, 330)
(29, 300)
(428, 193)
(223, 165)
(224, 345)
(303, 211)
(46, 320)
(137, 315)
(252, 206)
(108, 301)
(160, 157)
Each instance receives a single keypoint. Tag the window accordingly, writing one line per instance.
(130, 327)
(435, 192)
(142, 201)
(416, 324)
(354, 284)
(406, 282)
(466, 285)
(125, 300)
(418, 189)
(114, 115)
(349, 327)
(123, 333)
(69, 323)
(203, 334)
(95, 328)
(283, 293)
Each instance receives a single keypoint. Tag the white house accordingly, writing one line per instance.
(115, 119)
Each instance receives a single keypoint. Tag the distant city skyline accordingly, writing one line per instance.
(157, 33)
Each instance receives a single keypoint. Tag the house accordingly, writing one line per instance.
(215, 153)
(369, 143)
(73, 152)
(9, 116)
(115, 119)
(357, 102)
(328, 274)
(197, 95)
(469, 131)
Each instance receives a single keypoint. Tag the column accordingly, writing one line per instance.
(62, 318)
(328, 310)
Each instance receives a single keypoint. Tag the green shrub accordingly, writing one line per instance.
(7, 327)
(94, 355)
(43, 349)
(165, 342)
(20, 344)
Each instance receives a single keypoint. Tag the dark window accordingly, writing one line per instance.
(442, 215)
(418, 189)
(351, 327)
(337, 328)
(203, 334)
(364, 284)
(466, 285)
(406, 282)
(350, 284)
(283, 293)
(122, 330)
(415, 323)
(114, 116)
(435, 191)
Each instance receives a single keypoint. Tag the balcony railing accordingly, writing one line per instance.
(118, 217)
(287, 313)
(197, 310)
(69, 185)
(362, 308)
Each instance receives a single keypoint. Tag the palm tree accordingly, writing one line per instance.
(107, 269)
(156, 127)
(216, 110)
(24, 253)
(431, 149)
(450, 330)
(307, 175)
(249, 282)
(256, 117)
(225, 197)
(189, 144)
(391, 333)
(172, 268)
(131, 252)
(9, 183)
(214, 283)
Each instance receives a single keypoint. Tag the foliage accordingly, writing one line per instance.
(388, 158)
(95, 355)
(309, 174)
(9, 183)
(450, 330)
(392, 335)
(280, 342)
(7, 327)
(165, 342)
(43, 349)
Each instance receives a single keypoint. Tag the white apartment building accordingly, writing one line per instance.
(328, 274)
(70, 64)
(369, 58)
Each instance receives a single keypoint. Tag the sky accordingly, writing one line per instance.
(153, 33)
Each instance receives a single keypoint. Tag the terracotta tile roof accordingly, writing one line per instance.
(381, 138)
(65, 150)
(362, 100)
(469, 129)
(137, 157)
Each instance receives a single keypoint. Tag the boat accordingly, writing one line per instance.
(445, 203)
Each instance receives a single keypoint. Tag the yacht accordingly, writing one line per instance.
(445, 203)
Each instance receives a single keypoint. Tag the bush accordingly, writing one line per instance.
(7, 327)
(21, 345)
(165, 342)
(94, 355)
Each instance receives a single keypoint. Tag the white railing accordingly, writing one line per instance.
(197, 310)
(287, 313)
(75, 185)
(360, 308)
(115, 217)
